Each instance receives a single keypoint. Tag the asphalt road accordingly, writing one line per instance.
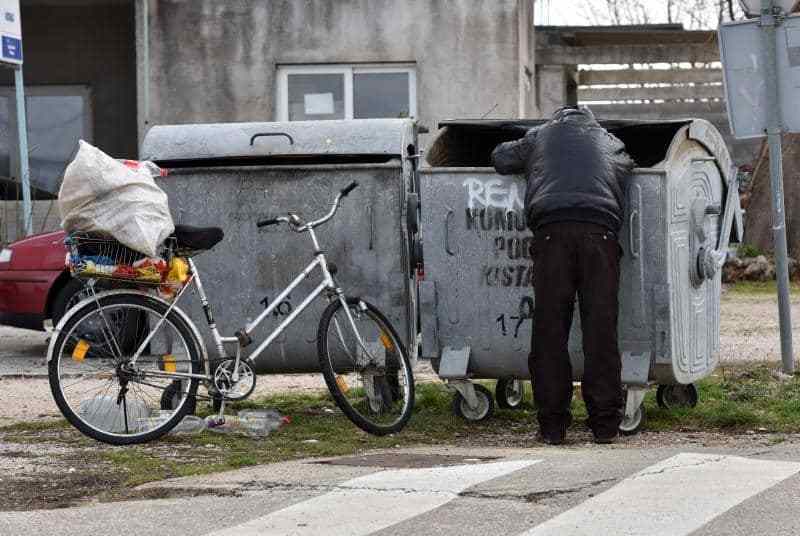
(545, 491)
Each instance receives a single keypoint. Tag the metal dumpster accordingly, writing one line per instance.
(231, 175)
(477, 299)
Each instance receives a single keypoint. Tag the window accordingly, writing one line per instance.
(58, 116)
(346, 92)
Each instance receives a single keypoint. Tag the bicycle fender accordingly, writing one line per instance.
(77, 306)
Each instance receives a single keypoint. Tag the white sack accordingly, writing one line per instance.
(99, 194)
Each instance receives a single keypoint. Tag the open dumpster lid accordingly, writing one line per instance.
(469, 143)
(284, 143)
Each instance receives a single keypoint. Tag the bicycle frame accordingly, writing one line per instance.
(242, 338)
(326, 284)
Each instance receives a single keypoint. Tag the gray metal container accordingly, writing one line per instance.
(221, 176)
(478, 299)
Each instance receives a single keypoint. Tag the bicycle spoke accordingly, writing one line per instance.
(110, 380)
(371, 381)
(110, 397)
(105, 335)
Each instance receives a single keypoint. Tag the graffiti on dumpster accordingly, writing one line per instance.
(495, 212)
(493, 193)
(283, 309)
(518, 275)
(494, 219)
(526, 312)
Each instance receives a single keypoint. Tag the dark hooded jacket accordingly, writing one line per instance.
(575, 170)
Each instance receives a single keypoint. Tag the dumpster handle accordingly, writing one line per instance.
(447, 233)
(631, 243)
(371, 229)
(264, 134)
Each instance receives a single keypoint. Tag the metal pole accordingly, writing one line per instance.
(24, 170)
(774, 131)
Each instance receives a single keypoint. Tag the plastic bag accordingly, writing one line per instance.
(101, 195)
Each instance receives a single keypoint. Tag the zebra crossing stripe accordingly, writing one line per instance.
(671, 498)
(376, 501)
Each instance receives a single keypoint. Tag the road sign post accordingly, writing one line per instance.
(774, 132)
(24, 168)
(11, 56)
(761, 65)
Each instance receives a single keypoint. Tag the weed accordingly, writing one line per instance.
(748, 250)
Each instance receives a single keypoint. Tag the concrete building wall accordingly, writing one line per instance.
(45, 218)
(91, 44)
(208, 61)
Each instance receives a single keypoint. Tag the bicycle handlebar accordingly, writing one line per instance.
(310, 225)
(265, 223)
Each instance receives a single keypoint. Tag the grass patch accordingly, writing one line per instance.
(748, 250)
(735, 399)
(56, 431)
(35, 426)
(756, 288)
(313, 432)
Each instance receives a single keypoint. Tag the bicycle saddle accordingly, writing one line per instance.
(197, 238)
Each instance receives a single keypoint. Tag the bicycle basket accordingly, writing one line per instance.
(93, 256)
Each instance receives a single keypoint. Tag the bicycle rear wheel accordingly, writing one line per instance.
(94, 382)
(372, 382)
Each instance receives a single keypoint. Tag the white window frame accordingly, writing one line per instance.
(8, 92)
(348, 71)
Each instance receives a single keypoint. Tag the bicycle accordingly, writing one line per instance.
(119, 354)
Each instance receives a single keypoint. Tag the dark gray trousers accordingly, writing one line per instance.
(583, 259)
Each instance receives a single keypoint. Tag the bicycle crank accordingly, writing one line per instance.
(235, 390)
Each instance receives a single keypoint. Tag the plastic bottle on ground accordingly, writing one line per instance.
(256, 423)
(191, 424)
(156, 419)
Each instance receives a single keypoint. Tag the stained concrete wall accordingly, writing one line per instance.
(92, 44)
(45, 218)
(209, 61)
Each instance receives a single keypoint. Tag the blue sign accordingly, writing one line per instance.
(12, 48)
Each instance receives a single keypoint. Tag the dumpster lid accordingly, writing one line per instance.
(469, 143)
(284, 143)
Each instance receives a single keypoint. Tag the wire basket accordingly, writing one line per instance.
(94, 256)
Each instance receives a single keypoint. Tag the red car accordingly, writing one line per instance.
(35, 284)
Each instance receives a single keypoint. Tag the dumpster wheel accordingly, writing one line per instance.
(634, 424)
(171, 397)
(677, 396)
(483, 411)
(509, 393)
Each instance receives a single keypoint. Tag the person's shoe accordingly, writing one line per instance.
(555, 435)
(606, 438)
(550, 437)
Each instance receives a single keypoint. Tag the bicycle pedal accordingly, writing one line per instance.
(245, 340)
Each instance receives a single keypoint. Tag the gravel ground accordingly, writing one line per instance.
(63, 469)
(749, 332)
(26, 390)
(27, 399)
(749, 329)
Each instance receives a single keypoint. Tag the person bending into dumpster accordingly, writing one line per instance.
(574, 206)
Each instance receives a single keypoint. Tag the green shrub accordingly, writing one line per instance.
(748, 250)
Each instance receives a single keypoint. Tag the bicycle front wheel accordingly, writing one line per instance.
(366, 366)
(98, 386)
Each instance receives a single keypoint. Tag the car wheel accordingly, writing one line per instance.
(132, 334)
(70, 294)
